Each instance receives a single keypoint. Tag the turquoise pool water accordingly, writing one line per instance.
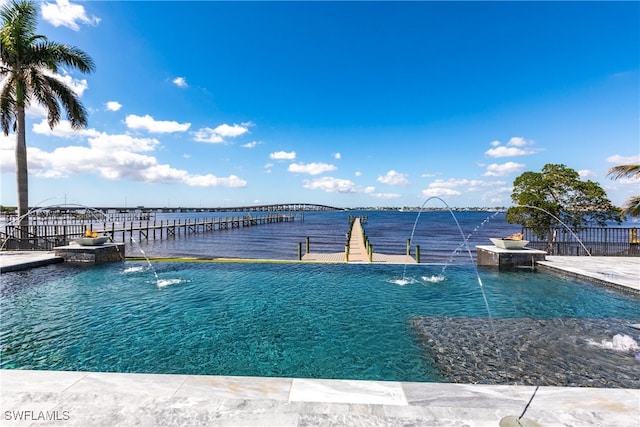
(292, 320)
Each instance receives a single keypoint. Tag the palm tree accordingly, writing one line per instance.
(632, 206)
(29, 64)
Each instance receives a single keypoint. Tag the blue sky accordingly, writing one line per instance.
(339, 103)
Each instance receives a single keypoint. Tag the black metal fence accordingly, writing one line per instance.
(601, 241)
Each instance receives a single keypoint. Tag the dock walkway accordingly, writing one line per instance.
(358, 252)
(357, 249)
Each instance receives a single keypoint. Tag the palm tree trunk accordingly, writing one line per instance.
(22, 172)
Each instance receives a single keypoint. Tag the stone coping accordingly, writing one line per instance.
(104, 399)
(622, 273)
(25, 260)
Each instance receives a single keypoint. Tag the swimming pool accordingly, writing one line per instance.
(299, 320)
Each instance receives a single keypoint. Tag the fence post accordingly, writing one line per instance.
(418, 254)
(307, 247)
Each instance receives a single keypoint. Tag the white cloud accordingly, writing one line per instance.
(358, 173)
(371, 191)
(503, 169)
(113, 157)
(394, 178)
(503, 151)
(7, 153)
(439, 192)
(233, 131)
(455, 187)
(180, 82)
(104, 142)
(337, 156)
(476, 185)
(441, 187)
(63, 13)
(62, 130)
(218, 134)
(624, 160)
(311, 168)
(155, 126)
(514, 147)
(518, 141)
(36, 110)
(113, 106)
(331, 185)
(208, 135)
(586, 173)
(283, 155)
(251, 144)
(632, 180)
(78, 86)
(451, 183)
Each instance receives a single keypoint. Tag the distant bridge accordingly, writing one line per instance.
(278, 207)
(140, 210)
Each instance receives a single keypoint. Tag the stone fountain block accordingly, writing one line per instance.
(508, 259)
(108, 252)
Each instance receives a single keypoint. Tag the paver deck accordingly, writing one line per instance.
(22, 260)
(114, 399)
(617, 271)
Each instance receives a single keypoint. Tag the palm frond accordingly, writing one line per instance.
(44, 95)
(624, 171)
(632, 206)
(7, 107)
(76, 113)
(71, 56)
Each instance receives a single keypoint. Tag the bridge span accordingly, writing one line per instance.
(274, 207)
(277, 207)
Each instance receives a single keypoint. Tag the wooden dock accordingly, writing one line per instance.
(358, 250)
(48, 236)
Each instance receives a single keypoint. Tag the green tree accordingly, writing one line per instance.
(556, 195)
(632, 205)
(28, 66)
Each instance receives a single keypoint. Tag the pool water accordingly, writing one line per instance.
(265, 319)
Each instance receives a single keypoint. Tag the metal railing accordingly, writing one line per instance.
(47, 236)
(598, 241)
